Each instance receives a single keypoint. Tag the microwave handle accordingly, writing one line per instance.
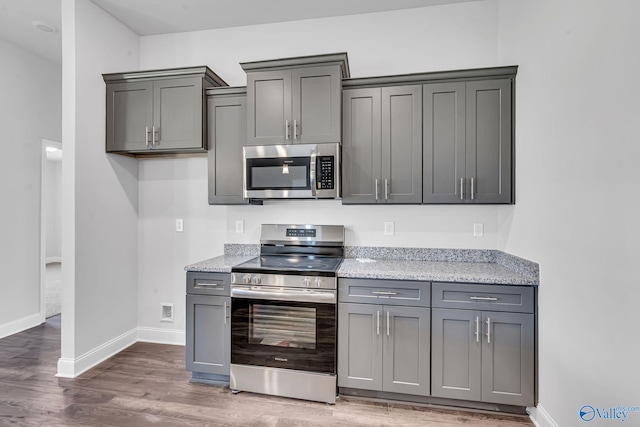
(312, 171)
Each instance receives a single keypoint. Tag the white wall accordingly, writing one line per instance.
(53, 210)
(30, 109)
(100, 200)
(577, 184)
(426, 39)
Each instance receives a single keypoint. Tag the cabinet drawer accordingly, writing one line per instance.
(517, 299)
(390, 292)
(208, 283)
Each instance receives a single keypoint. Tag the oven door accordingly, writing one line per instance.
(284, 334)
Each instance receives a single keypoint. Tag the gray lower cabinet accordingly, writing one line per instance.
(209, 334)
(226, 118)
(295, 100)
(208, 329)
(157, 112)
(383, 345)
(467, 155)
(382, 145)
(483, 355)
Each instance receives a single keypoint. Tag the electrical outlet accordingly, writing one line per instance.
(389, 228)
(478, 229)
(166, 314)
(240, 226)
(179, 225)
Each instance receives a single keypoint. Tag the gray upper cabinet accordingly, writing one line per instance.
(295, 100)
(226, 117)
(382, 145)
(157, 112)
(468, 142)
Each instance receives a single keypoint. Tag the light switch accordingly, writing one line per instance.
(179, 225)
(389, 229)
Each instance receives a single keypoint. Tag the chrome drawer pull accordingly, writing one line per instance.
(384, 293)
(378, 323)
(483, 298)
(488, 330)
(207, 285)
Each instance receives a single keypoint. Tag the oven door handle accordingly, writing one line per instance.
(280, 294)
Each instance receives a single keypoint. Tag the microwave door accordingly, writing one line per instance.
(278, 177)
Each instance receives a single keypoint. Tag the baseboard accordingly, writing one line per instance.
(161, 336)
(541, 418)
(71, 368)
(20, 325)
(53, 259)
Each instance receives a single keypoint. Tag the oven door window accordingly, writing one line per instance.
(282, 326)
(283, 334)
(279, 173)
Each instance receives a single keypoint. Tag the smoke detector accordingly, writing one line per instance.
(43, 26)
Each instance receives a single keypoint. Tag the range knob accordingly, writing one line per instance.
(256, 280)
(306, 281)
(246, 279)
(317, 283)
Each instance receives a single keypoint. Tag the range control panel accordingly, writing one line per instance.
(325, 173)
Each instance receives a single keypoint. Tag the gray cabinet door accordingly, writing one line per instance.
(443, 142)
(269, 107)
(361, 146)
(227, 134)
(406, 357)
(316, 111)
(177, 112)
(208, 334)
(360, 346)
(456, 346)
(401, 179)
(488, 136)
(129, 116)
(508, 358)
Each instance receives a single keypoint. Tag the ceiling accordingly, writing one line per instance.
(151, 17)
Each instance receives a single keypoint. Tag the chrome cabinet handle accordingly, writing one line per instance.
(384, 293)
(483, 298)
(376, 188)
(387, 323)
(477, 328)
(386, 189)
(472, 188)
(225, 312)
(146, 136)
(378, 323)
(295, 129)
(286, 130)
(461, 188)
(488, 330)
(154, 136)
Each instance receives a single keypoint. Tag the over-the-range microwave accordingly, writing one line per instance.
(296, 171)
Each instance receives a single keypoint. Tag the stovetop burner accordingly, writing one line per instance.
(290, 264)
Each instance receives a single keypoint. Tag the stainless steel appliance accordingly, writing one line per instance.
(283, 313)
(296, 171)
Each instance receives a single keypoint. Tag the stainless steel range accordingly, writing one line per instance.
(283, 313)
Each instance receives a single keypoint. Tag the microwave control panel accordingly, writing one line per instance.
(325, 173)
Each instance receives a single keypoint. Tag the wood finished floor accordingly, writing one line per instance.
(147, 385)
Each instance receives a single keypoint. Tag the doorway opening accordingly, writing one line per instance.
(51, 230)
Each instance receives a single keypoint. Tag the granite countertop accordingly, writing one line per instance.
(219, 264)
(433, 265)
(465, 272)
